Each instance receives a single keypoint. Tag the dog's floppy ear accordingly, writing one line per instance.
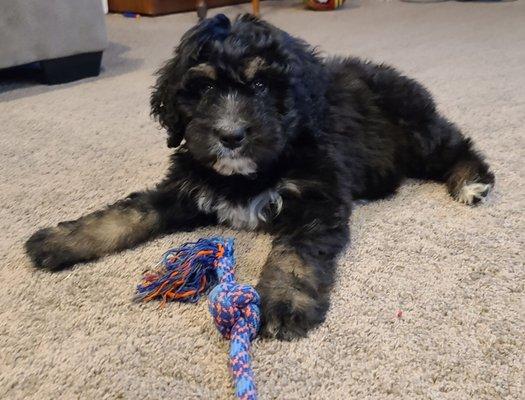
(164, 105)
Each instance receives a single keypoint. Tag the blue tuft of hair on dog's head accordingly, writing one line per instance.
(215, 28)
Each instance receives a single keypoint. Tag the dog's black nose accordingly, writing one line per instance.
(233, 139)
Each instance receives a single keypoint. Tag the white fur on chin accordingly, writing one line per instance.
(238, 165)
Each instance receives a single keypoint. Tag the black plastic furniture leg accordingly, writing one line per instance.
(71, 68)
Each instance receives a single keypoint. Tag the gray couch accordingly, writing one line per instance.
(67, 37)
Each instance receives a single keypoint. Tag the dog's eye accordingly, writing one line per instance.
(259, 85)
(206, 87)
(199, 87)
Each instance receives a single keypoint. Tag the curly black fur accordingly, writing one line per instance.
(278, 139)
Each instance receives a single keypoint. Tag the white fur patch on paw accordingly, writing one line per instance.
(472, 192)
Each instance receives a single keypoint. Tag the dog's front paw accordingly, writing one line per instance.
(288, 313)
(48, 248)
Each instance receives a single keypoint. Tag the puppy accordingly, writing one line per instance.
(269, 136)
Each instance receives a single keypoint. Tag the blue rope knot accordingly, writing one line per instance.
(235, 309)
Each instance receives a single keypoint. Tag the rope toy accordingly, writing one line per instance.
(190, 271)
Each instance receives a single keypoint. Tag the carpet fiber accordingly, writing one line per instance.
(455, 273)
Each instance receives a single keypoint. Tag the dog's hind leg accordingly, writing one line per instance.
(121, 225)
(445, 155)
(432, 147)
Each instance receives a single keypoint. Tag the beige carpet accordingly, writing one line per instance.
(457, 273)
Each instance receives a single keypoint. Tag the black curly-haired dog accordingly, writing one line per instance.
(269, 136)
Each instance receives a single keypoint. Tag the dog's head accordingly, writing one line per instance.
(238, 93)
